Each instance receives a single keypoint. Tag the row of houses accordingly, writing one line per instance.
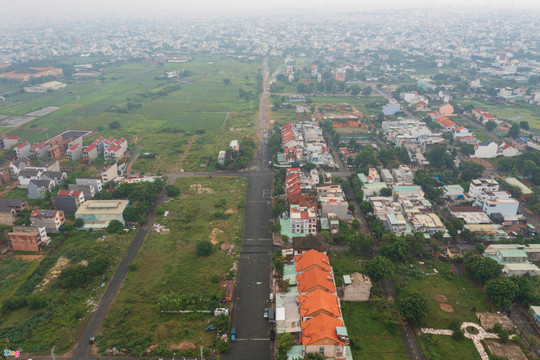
(310, 309)
(54, 147)
(516, 259)
(304, 142)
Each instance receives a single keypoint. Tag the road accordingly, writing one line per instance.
(252, 290)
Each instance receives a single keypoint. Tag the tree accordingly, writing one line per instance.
(114, 124)
(226, 82)
(455, 326)
(285, 342)
(78, 223)
(514, 130)
(491, 125)
(74, 275)
(470, 170)
(524, 125)
(309, 166)
(438, 157)
(115, 227)
(355, 90)
(367, 91)
(481, 269)
(502, 291)
(413, 306)
(385, 192)
(204, 248)
(362, 242)
(275, 228)
(172, 190)
(314, 356)
(379, 268)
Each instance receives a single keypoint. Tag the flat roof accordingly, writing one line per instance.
(102, 207)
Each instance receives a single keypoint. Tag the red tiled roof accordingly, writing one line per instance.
(319, 328)
(319, 300)
(315, 277)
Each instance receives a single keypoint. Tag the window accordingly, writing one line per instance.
(321, 350)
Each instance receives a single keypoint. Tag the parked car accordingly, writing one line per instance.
(265, 313)
(272, 334)
(210, 328)
(233, 334)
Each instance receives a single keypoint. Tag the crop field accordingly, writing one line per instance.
(209, 209)
(168, 110)
(51, 314)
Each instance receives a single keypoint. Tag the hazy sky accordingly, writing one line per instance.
(65, 7)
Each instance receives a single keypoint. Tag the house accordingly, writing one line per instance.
(221, 157)
(10, 209)
(319, 302)
(508, 150)
(505, 207)
(446, 123)
(79, 195)
(97, 214)
(75, 152)
(87, 190)
(7, 142)
(447, 110)
(68, 204)
(37, 189)
(356, 287)
(312, 259)
(57, 176)
(395, 223)
(324, 335)
(485, 150)
(479, 186)
(110, 173)
(314, 279)
(453, 191)
(91, 151)
(40, 150)
(234, 145)
(113, 152)
(505, 92)
(387, 177)
(407, 192)
(28, 174)
(16, 166)
(421, 105)
(391, 108)
(303, 220)
(51, 220)
(23, 150)
(517, 269)
(303, 244)
(28, 238)
(461, 131)
(96, 183)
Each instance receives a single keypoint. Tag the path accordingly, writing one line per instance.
(225, 121)
(133, 158)
(185, 154)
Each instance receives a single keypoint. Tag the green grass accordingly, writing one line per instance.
(167, 263)
(60, 321)
(344, 264)
(363, 104)
(13, 273)
(515, 112)
(443, 347)
(371, 338)
(463, 295)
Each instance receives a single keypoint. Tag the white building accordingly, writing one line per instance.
(303, 220)
(482, 185)
(221, 157)
(486, 150)
(234, 145)
(505, 207)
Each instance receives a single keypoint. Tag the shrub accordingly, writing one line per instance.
(78, 223)
(172, 190)
(204, 248)
(115, 227)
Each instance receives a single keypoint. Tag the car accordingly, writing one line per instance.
(272, 334)
(210, 328)
(233, 334)
(265, 315)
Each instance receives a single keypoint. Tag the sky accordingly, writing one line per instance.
(67, 7)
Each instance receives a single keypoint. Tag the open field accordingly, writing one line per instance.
(166, 114)
(371, 338)
(363, 104)
(443, 347)
(208, 209)
(36, 328)
(516, 112)
(461, 293)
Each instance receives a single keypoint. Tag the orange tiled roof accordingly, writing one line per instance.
(312, 257)
(315, 277)
(446, 122)
(319, 328)
(319, 300)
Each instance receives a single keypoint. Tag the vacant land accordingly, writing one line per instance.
(152, 109)
(513, 112)
(57, 313)
(444, 347)
(371, 337)
(209, 209)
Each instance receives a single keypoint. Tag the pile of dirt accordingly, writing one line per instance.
(200, 189)
(184, 345)
(214, 235)
(443, 303)
(230, 211)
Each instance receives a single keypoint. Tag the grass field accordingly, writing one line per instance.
(442, 347)
(363, 104)
(514, 112)
(192, 218)
(462, 294)
(201, 104)
(36, 330)
(371, 338)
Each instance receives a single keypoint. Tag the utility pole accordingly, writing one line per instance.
(201, 348)
(52, 353)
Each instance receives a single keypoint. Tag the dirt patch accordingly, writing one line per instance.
(488, 320)
(84, 263)
(29, 257)
(508, 350)
(441, 298)
(214, 235)
(200, 189)
(184, 345)
(230, 211)
(55, 271)
(446, 307)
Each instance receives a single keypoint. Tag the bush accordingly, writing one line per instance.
(132, 267)
(14, 303)
(215, 279)
(222, 346)
(98, 266)
(73, 276)
(204, 248)
(172, 190)
(36, 301)
(455, 326)
(115, 227)
(78, 223)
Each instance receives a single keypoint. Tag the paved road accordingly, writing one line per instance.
(252, 290)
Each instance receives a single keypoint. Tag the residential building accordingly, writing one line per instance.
(356, 287)
(314, 279)
(37, 189)
(28, 238)
(319, 302)
(479, 186)
(505, 207)
(39, 150)
(91, 151)
(28, 174)
(446, 110)
(303, 244)
(75, 152)
(487, 231)
(234, 145)
(10, 209)
(51, 220)
(7, 142)
(97, 214)
(56, 176)
(447, 124)
(16, 166)
(96, 183)
(407, 192)
(110, 173)
(321, 334)
(303, 220)
(395, 223)
(23, 150)
(514, 269)
(87, 190)
(312, 259)
(453, 191)
(387, 177)
(508, 150)
(461, 132)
